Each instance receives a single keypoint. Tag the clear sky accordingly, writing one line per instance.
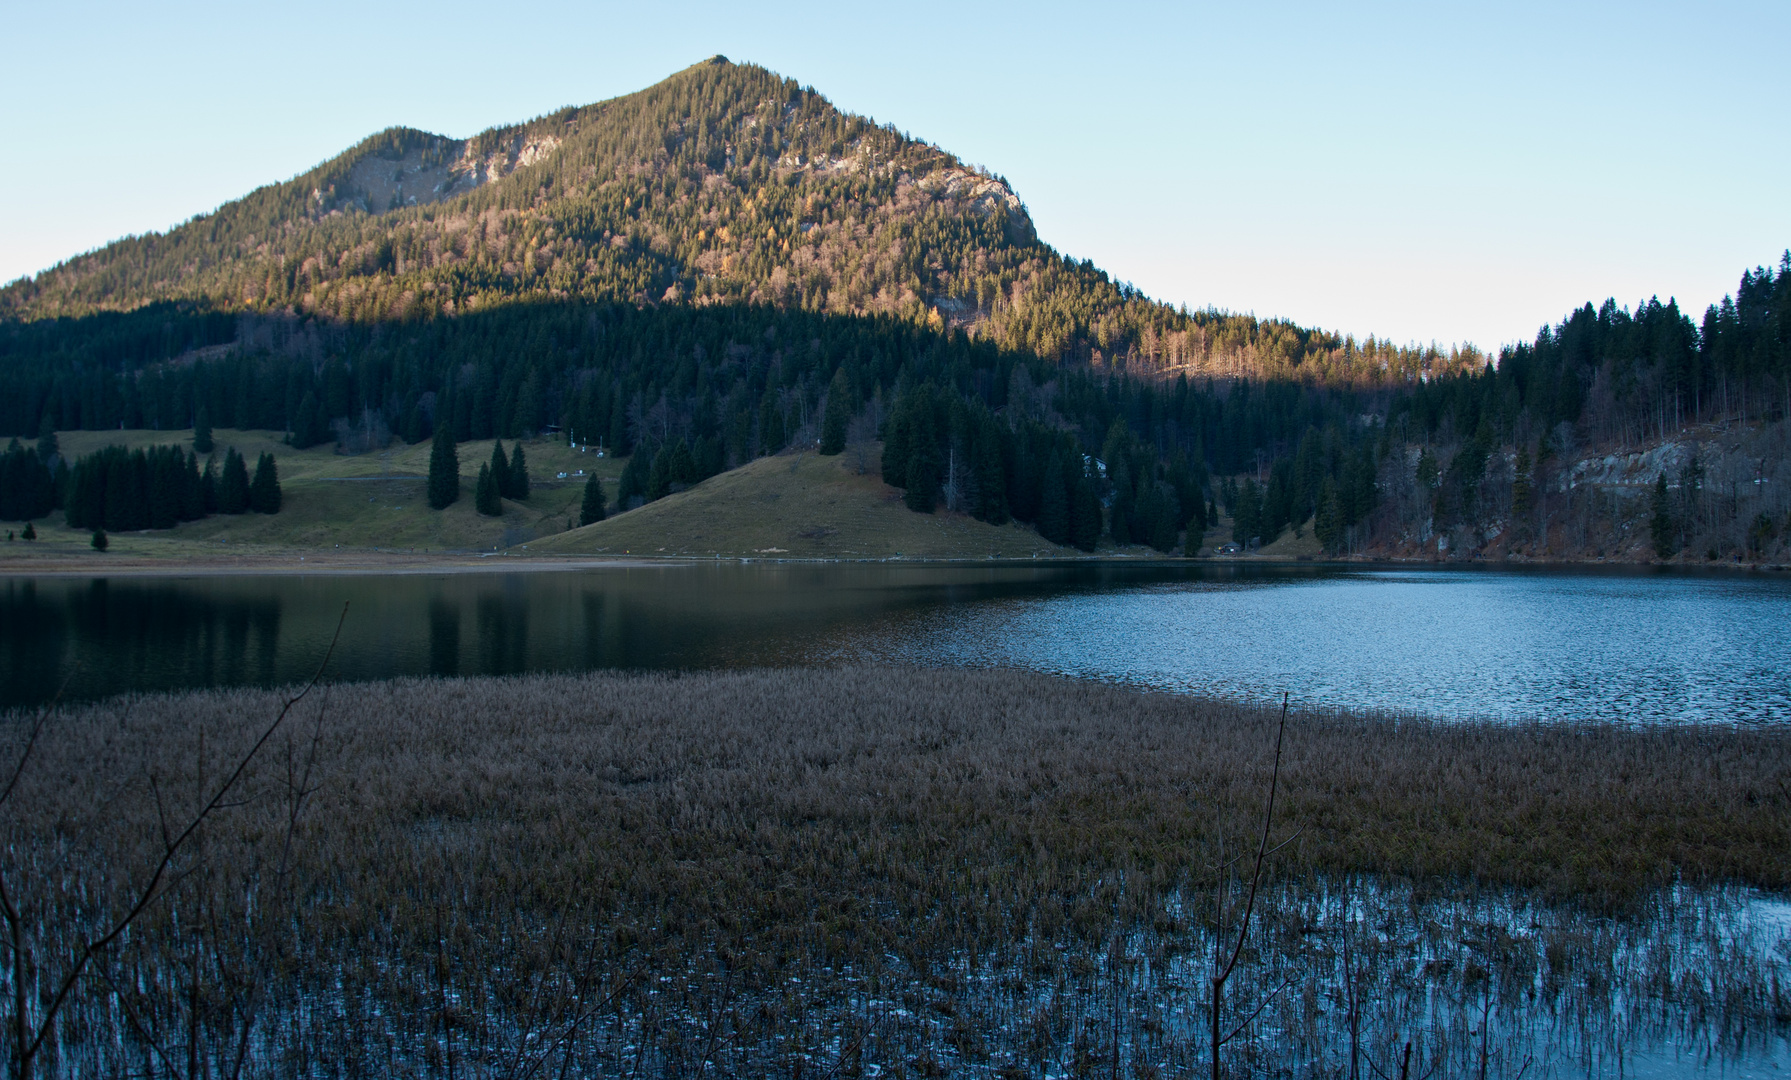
(1425, 172)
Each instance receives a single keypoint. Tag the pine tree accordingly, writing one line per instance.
(233, 488)
(500, 469)
(659, 480)
(1085, 514)
(1162, 533)
(416, 425)
(202, 429)
(30, 532)
(164, 489)
(633, 484)
(592, 508)
(838, 415)
(1054, 505)
(1327, 520)
(486, 499)
(1523, 490)
(309, 426)
(208, 490)
(192, 498)
(771, 425)
(1119, 523)
(896, 443)
(682, 468)
(518, 485)
(922, 481)
(1662, 522)
(99, 541)
(444, 468)
(264, 490)
(1246, 515)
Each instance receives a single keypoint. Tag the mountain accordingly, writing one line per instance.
(724, 267)
(725, 183)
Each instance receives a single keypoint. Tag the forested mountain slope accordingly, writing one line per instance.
(724, 267)
(723, 184)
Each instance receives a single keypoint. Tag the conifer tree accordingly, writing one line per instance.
(838, 415)
(1327, 520)
(164, 489)
(659, 480)
(771, 425)
(682, 468)
(517, 486)
(1194, 539)
(30, 532)
(486, 499)
(444, 468)
(309, 426)
(99, 541)
(1162, 531)
(924, 465)
(1054, 505)
(500, 469)
(202, 428)
(1085, 514)
(1523, 490)
(633, 484)
(1246, 515)
(896, 443)
(264, 490)
(592, 509)
(208, 490)
(233, 488)
(416, 426)
(1661, 523)
(192, 498)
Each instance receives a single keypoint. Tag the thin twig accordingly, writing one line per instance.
(149, 892)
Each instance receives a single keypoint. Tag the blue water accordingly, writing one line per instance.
(1646, 647)
(1447, 643)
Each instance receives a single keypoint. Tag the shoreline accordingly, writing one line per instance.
(264, 563)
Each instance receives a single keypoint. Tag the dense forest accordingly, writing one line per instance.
(723, 266)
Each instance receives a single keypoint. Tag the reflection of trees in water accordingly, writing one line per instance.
(117, 637)
(598, 634)
(35, 631)
(444, 637)
(502, 622)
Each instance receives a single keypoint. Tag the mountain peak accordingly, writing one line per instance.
(723, 183)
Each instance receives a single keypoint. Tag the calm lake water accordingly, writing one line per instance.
(1631, 646)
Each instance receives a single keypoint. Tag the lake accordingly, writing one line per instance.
(1629, 645)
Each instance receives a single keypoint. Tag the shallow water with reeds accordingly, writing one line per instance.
(1557, 645)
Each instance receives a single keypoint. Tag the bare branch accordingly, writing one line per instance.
(149, 892)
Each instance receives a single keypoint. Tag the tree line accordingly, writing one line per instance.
(118, 489)
(980, 426)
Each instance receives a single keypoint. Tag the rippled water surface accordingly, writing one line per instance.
(1638, 646)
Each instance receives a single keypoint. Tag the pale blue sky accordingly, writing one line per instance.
(1425, 172)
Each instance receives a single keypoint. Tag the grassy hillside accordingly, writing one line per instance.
(797, 506)
(790, 506)
(364, 502)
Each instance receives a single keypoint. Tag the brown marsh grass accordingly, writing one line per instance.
(882, 872)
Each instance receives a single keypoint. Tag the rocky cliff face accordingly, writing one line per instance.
(1728, 501)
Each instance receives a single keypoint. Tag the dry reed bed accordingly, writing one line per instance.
(596, 873)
